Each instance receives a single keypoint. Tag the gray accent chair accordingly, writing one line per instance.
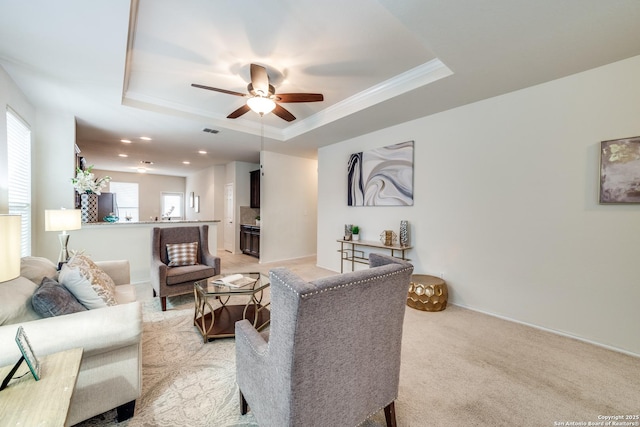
(332, 354)
(172, 281)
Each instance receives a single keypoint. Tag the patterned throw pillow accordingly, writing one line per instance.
(182, 254)
(88, 283)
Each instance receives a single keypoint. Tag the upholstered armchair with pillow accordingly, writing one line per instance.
(180, 257)
(55, 320)
(332, 356)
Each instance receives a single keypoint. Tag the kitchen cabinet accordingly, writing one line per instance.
(255, 189)
(250, 240)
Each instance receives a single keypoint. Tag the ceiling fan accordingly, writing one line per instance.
(262, 96)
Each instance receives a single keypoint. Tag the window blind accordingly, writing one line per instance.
(19, 168)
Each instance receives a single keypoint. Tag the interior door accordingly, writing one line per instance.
(229, 224)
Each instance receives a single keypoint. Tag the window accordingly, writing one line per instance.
(126, 200)
(19, 168)
(172, 204)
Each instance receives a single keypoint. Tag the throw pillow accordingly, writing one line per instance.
(182, 254)
(52, 299)
(88, 283)
(37, 268)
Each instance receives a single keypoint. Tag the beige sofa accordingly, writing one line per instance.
(111, 371)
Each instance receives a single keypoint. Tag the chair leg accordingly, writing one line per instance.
(163, 300)
(390, 414)
(244, 407)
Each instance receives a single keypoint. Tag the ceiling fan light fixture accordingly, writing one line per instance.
(261, 105)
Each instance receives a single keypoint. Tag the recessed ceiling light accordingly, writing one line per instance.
(186, 162)
(145, 138)
(123, 155)
(126, 141)
(202, 152)
(142, 170)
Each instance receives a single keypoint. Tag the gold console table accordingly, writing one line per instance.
(349, 252)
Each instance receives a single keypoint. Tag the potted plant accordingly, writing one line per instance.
(355, 231)
(258, 220)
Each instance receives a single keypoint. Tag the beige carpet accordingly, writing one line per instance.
(459, 368)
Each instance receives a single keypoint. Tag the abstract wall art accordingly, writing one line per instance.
(381, 177)
(620, 171)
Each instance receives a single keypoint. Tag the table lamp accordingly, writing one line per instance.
(10, 230)
(62, 220)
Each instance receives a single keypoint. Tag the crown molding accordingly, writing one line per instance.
(419, 76)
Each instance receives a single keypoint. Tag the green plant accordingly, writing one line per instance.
(355, 229)
(258, 218)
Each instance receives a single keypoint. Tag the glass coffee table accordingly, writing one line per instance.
(220, 322)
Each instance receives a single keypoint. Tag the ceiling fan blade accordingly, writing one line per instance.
(283, 113)
(240, 111)
(299, 97)
(260, 79)
(215, 89)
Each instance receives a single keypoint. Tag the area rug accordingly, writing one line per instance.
(186, 382)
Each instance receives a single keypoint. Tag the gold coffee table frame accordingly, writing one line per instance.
(220, 322)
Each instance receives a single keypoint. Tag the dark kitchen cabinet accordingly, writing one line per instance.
(255, 189)
(250, 240)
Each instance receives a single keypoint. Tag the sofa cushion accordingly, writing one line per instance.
(15, 301)
(52, 299)
(182, 254)
(37, 268)
(189, 273)
(88, 282)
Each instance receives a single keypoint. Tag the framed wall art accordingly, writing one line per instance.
(620, 171)
(382, 176)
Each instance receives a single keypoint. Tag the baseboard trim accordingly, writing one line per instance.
(553, 331)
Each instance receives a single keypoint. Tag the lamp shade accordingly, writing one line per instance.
(62, 219)
(10, 230)
(261, 105)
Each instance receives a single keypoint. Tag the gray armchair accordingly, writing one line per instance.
(332, 356)
(171, 281)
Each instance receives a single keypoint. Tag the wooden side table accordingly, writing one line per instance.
(427, 293)
(27, 402)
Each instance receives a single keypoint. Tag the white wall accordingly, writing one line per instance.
(10, 96)
(288, 207)
(506, 205)
(209, 185)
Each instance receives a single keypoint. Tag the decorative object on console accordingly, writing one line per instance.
(10, 230)
(381, 177)
(355, 230)
(620, 171)
(62, 220)
(388, 237)
(347, 231)
(404, 233)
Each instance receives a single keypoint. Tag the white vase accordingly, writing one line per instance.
(355, 237)
(89, 207)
